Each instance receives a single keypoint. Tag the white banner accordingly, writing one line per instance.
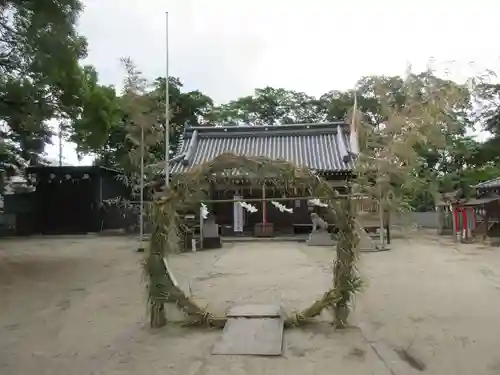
(237, 215)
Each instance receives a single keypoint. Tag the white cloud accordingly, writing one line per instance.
(227, 48)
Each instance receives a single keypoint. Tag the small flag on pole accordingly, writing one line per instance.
(354, 134)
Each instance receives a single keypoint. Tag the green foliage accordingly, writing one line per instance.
(100, 113)
(110, 125)
(270, 106)
(489, 118)
(192, 107)
(418, 115)
(40, 78)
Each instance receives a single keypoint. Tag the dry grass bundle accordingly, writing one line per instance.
(188, 190)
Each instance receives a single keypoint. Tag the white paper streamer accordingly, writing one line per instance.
(237, 214)
(249, 207)
(317, 203)
(282, 207)
(203, 211)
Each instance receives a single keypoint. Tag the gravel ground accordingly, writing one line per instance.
(76, 305)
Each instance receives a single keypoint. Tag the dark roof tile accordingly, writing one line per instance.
(490, 184)
(321, 147)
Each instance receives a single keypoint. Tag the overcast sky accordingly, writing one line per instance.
(227, 48)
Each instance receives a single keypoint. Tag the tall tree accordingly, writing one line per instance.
(336, 105)
(137, 137)
(106, 125)
(269, 106)
(489, 119)
(390, 163)
(192, 108)
(99, 115)
(40, 78)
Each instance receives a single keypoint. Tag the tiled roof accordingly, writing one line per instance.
(321, 147)
(490, 184)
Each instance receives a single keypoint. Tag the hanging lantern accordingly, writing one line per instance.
(67, 177)
(52, 176)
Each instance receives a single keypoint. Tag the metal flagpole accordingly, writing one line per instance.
(167, 110)
(167, 135)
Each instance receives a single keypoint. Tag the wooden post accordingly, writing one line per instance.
(201, 227)
(454, 216)
(264, 213)
(381, 224)
(264, 229)
(486, 219)
(464, 224)
(388, 227)
(470, 222)
(474, 218)
(440, 219)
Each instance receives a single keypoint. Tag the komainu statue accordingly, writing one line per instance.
(318, 223)
(319, 235)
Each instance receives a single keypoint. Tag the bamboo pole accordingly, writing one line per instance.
(167, 109)
(158, 316)
(263, 199)
(284, 199)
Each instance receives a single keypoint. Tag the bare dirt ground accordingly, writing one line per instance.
(77, 306)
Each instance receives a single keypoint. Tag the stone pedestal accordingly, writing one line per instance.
(210, 229)
(366, 243)
(211, 243)
(211, 238)
(186, 243)
(320, 238)
(264, 230)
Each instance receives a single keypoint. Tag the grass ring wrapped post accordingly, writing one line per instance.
(189, 189)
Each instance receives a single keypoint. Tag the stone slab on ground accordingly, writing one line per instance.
(254, 329)
(251, 336)
(320, 238)
(255, 311)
